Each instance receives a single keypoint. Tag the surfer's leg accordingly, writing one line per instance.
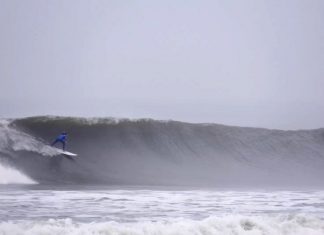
(63, 143)
(55, 141)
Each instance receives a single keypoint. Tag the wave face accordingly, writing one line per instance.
(149, 152)
(231, 225)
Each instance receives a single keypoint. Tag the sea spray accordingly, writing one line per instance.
(10, 175)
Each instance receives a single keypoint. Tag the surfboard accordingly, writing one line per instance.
(67, 153)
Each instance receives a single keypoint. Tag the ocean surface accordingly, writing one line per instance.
(217, 180)
(41, 209)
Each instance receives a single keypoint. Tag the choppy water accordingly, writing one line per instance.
(45, 210)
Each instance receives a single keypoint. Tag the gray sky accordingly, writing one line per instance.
(247, 63)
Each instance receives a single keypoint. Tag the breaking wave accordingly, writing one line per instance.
(15, 140)
(12, 176)
(227, 225)
(150, 152)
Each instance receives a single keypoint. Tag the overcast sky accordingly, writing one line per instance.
(247, 63)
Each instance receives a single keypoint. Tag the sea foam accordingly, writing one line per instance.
(227, 225)
(9, 175)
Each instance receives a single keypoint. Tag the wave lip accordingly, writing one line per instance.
(229, 225)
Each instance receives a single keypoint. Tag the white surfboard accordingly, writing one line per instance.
(67, 153)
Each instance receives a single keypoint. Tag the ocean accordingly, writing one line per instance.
(36, 209)
(134, 177)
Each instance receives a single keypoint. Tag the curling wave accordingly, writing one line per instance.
(149, 152)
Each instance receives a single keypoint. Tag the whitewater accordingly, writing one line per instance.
(159, 177)
(73, 210)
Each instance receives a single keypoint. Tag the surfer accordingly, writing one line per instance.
(62, 139)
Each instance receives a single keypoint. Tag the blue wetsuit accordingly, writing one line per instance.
(62, 139)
